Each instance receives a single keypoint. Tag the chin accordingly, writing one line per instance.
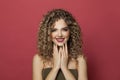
(60, 44)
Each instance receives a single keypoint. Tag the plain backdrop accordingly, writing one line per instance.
(98, 19)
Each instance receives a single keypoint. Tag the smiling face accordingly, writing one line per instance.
(60, 32)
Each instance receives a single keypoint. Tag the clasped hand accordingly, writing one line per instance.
(60, 57)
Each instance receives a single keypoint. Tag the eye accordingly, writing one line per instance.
(53, 30)
(65, 29)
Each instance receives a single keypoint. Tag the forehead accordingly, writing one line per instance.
(60, 24)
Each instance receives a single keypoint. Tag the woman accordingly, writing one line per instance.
(60, 55)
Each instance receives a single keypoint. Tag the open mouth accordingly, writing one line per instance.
(60, 39)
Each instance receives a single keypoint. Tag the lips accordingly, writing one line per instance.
(60, 39)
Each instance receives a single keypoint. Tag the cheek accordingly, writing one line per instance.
(52, 35)
(67, 34)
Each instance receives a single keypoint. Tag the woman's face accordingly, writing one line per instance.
(60, 32)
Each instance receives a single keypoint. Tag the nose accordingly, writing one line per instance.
(60, 33)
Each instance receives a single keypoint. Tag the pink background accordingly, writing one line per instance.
(100, 23)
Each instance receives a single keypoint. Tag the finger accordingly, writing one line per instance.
(64, 53)
(66, 49)
(56, 48)
(60, 51)
(53, 48)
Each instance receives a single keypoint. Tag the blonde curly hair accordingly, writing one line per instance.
(45, 44)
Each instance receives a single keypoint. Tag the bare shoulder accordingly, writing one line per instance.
(37, 67)
(37, 61)
(37, 57)
(82, 68)
(81, 59)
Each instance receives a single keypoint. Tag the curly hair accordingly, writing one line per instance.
(45, 44)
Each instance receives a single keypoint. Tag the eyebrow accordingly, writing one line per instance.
(62, 28)
(65, 27)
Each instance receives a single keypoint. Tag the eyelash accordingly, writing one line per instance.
(65, 29)
(53, 30)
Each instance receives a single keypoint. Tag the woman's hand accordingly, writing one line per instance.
(64, 64)
(56, 57)
(64, 57)
(60, 57)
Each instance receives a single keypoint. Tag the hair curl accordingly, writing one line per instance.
(45, 44)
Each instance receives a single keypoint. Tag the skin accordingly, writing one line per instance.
(60, 57)
(60, 30)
